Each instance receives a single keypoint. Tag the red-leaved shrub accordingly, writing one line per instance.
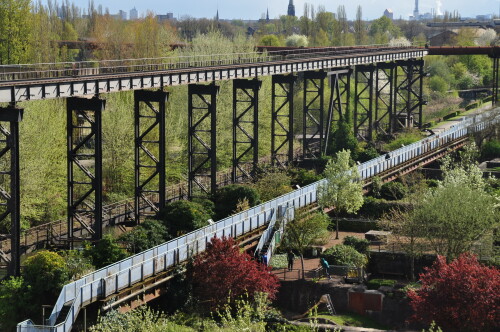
(463, 295)
(222, 271)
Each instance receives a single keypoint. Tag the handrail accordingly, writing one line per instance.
(13, 73)
(108, 280)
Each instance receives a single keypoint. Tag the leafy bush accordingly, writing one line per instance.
(272, 184)
(77, 264)
(345, 256)
(147, 235)
(303, 177)
(377, 283)
(361, 245)
(297, 40)
(393, 191)
(356, 226)
(438, 84)
(375, 208)
(222, 272)
(458, 296)
(14, 298)
(227, 198)
(46, 273)
(367, 154)
(406, 138)
(490, 150)
(182, 217)
(343, 139)
(105, 252)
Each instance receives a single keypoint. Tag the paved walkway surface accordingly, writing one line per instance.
(442, 126)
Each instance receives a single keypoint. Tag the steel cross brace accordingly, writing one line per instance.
(9, 190)
(384, 102)
(84, 131)
(363, 102)
(408, 99)
(245, 128)
(202, 144)
(313, 114)
(150, 151)
(340, 94)
(282, 120)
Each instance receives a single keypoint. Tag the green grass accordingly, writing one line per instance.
(405, 138)
(376, 283)
(354, 320)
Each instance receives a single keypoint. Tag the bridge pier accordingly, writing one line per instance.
(384, 100)
(313, 114)
(149, 141)
(202, 139)
(340, 94)
(245, 127)
(84, 132)
(282, 120)
(408, 94)
(10, 198)
(363, 102)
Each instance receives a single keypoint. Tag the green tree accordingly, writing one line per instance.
(227, 198)
(343, 139)
(438, 84)
(15, 31)
(272, 184)
(13, 302)
(182, 217)
(297, 41)
(46, 273)
(449, 214)
(359, 27)
(270, 40)
(342, 189)
(305, 230)
(105, 252)
(147, 235)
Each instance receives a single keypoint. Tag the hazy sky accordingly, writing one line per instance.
(254, 9)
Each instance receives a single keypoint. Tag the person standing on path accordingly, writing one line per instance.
(325, 266)
(290, 257)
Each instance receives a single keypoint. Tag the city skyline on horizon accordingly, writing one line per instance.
(256, 9)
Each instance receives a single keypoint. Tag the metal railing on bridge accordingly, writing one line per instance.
(113, 278)
(12, 73)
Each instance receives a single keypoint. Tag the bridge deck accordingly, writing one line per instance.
(35, 84)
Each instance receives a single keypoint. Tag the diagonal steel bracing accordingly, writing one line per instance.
(9, 184)
(202, 163)
(84, 134)
(340, 93)
(282, 120)
(150, 150)
(384, 102)
(408, 98)
(245, 128)
(313, 114)
(364, 102)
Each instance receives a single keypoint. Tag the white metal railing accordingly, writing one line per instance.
(111, 279)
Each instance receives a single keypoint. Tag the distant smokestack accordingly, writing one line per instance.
(416, 13)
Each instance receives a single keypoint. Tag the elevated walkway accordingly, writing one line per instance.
(152, 263)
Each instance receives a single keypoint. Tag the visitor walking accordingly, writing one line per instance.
(290, 257)
(325, 266)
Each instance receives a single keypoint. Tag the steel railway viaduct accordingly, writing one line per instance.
(387, 93)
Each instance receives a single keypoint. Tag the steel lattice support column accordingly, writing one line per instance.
(496, 80)
(364, 102)
(9, 190)
(150, 150)
(408, 100)
(202, 139)
(384, 102)
(313, 114)
(245, 127)
(84, 133)
(282, 120)
(340, 94)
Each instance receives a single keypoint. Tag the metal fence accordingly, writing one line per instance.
(113, 278)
